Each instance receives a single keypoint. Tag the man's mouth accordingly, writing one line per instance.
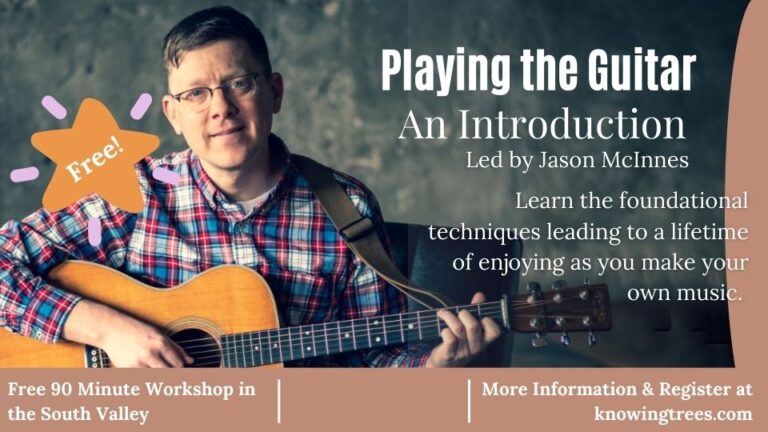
(229, 131)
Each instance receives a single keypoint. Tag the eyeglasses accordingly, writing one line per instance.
(199, 98)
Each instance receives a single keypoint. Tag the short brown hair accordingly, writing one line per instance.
(213, 24)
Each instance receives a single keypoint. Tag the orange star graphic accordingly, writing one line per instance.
(95, 155)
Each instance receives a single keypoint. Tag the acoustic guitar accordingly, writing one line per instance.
(241, 328)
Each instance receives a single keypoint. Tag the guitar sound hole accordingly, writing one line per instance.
(201, 346)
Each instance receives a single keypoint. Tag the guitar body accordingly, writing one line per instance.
(224, 300)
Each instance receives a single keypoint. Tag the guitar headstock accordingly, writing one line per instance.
(563, 309)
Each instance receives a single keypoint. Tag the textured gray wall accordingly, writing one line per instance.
(329, 53)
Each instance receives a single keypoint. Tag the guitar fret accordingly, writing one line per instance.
(354, 337)
(288, 350)
(368, 330)
(233, 351)
(418, 322)
(228, 352)
(250, 350)
(260, 349)
(402, 334)
(243, 353)
(314, 347)
(349, 343)
(269, 340)
(338, 328)
(285, 348)
(279, 345)
(325, 331)
(288, 354)
(236, 351)
(242, 347)
(301, 340)
(103, 359)
(280, 341)
(384, 328)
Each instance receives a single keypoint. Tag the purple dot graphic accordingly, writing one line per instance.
(94, 231)
(54, 107)
(141, 106)
(166, 176)
(24, 174)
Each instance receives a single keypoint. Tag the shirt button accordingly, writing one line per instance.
(38, 334)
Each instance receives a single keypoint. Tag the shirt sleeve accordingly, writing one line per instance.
(30, 248)
(366, 294)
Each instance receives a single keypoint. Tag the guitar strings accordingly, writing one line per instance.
(357, 325)
(282, 344)
(284, 333)
(286, 350)
(218, 355)
(488, 308)
(281, 336)
(284, 339)
(289, 349)
(283, 350)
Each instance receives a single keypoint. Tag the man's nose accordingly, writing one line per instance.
(222, 105)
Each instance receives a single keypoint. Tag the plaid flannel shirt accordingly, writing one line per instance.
(190, 227)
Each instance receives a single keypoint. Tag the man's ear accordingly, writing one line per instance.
(170, 109)
(276, 84)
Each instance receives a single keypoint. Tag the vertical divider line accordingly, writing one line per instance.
(469, 401)
(279, 402)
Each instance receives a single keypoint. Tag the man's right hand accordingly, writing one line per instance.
(127, 341)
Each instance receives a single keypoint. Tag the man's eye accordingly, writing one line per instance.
(194, 94)
(239, 84)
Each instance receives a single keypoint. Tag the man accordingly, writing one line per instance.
(240, 200)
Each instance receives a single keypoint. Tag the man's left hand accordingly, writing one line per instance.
(464, 337)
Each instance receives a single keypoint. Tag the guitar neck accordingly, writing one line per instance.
(293, 343)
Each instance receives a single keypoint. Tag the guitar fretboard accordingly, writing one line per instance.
(306, 341)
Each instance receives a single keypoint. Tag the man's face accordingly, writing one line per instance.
(232, 133)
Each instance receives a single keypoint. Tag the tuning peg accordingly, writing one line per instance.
(557, 286)
(565, 338)
(534, 291)
(533, 287)
(591, 338)
(539, 341)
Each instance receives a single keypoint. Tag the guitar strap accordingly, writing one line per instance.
(360, 232)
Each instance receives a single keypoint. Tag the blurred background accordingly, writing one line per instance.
(329, 53)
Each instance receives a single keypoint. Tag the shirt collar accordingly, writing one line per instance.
(217, 199)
